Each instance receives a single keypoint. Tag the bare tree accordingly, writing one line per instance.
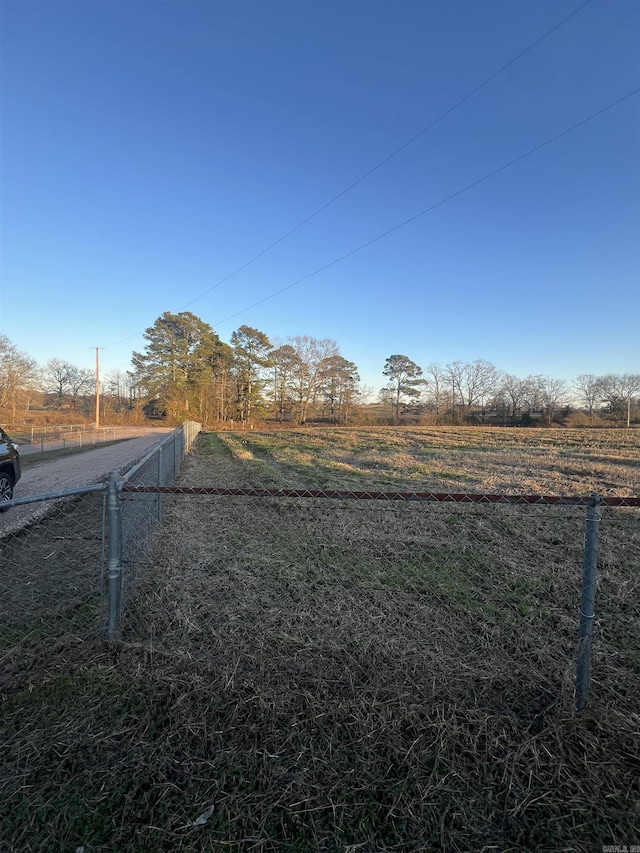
(553, 392)
(306, 374)
(136, 389)
(618, 391)
(56, 377)
(473, 381)
(79, 379)
(533, 389)
(437, 388)
(589, 389)
(18, 376)
(116, 386)
(514, 391)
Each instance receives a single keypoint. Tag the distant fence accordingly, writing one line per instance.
(103, 544)
(67, 437)
(34, 432)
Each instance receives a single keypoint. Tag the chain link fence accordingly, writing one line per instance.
(482, 566)
(51, 580)
(133, 533)
(54, 561)
(72, 437)
(97, 561)
(324, 670)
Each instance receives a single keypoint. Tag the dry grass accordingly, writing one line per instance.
(448, 458)
(341, 676)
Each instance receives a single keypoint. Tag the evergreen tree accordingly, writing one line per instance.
(405, 384)
(181, 353)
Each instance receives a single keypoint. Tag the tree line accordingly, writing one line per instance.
(464, 392)
(186, 371)
(190, 372)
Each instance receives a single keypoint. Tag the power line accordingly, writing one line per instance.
(394, 153)
(434, 206)
(379, 165)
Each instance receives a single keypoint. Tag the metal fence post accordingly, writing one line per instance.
(114, 565)
(175, 455)
(161, 478)
(587, 603)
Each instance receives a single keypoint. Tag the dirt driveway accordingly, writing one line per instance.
(71, 472)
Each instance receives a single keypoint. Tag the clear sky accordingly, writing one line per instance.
(151, 149)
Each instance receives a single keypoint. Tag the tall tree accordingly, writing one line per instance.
(251, 352)
(57, 373)
(306, 375)
(554, 393)
(405, 382)
(136, 390)
(340, 380)
(618, 393)
(590, 390)
(79, 379)
(116, 387)
(473, 382)
(514, 391)
(284, 360)
(218, 387)
(18, 376)
(180, 351)
(437, 389)
(533, 393)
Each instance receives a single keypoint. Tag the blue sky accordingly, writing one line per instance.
(150, 149)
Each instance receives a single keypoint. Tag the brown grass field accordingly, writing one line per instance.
(326, 675)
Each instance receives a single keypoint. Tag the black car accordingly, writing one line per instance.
(9, 466)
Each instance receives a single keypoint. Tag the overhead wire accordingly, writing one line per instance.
(394, 153)
(432, 207)
(378, 165)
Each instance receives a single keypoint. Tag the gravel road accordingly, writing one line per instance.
(71, 472)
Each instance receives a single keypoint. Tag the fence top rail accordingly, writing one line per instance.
(183, 429)
(440, 497)
(54, 496)
(151, 452)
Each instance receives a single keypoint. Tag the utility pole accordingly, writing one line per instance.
(97, 390)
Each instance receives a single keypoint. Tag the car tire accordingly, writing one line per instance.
(6, 489)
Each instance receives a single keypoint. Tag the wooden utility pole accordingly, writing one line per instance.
(97, 390)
